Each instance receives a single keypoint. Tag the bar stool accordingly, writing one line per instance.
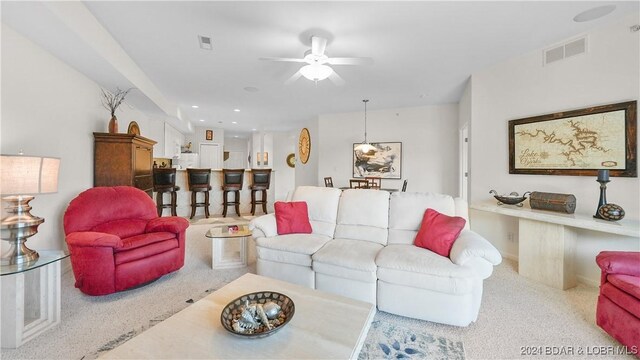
(261, 181)
(198, 180)
(232, 180)
(164, 181)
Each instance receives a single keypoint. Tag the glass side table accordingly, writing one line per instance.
(229, 245)
(30, 298)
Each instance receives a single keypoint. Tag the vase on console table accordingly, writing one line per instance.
(113, 125)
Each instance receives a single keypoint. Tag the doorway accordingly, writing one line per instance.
(210, 156)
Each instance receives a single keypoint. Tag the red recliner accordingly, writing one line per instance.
(117, 241)
(618, 311)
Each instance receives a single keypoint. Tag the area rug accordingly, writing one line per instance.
(387, 340)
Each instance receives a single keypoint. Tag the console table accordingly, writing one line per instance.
(547, 240)
(30, 298)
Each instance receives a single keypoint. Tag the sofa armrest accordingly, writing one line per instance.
(264, 226)
(470, 245)
(93, 239)
(619, 262)
(172, 224)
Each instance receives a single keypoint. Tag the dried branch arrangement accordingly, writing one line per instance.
(111, 101)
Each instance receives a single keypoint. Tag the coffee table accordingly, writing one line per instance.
(223, 254)
(324, 326)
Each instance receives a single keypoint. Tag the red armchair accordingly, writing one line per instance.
(618, 311)
(117, 241)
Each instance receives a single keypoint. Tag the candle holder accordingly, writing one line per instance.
(603, 196)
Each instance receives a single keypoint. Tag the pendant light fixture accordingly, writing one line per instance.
(365, 147)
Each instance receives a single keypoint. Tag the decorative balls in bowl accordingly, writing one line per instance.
(258, 314)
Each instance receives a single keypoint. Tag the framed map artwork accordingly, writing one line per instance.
(577, 142)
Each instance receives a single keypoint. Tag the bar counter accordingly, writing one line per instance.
(215, 196)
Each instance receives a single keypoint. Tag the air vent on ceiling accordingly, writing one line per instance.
(566, 50)
(205, 42)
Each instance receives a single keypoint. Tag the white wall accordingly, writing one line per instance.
(283, 145)
(307, 174)
(522, 87)
(50, 109)
(429, 136)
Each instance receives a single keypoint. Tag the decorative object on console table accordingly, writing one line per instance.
(111, 101)
(123, 159)
(385, 162)
(512, 199)
(576, 142)
(22, 177)
(133, 128)
(565, 203)
(611, 212)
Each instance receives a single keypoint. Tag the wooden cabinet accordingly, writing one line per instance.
(123, 159)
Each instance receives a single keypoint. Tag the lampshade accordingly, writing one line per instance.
(316, 72)
(28, 175)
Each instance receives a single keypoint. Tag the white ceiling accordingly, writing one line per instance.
(423, 52)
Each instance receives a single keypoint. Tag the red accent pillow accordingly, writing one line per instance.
(438, 232)
(292, 217)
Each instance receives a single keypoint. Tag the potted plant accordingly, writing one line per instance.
(111, 101)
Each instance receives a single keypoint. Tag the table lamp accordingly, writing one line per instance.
(21, 178)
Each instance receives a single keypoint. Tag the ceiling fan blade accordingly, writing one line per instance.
(336, 79)
(293, 78)
(318, 45)
(282, 59)
(350, 61)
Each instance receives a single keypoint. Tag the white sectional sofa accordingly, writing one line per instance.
(362, 247)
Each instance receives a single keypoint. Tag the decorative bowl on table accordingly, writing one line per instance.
(258, 314)
(511, 199)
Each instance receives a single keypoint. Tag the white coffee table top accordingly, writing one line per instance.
(324, 326)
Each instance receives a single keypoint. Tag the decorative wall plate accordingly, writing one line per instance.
(133, 128)
(304, 145)
(291, 160)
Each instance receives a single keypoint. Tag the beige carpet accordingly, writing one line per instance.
(515, 313)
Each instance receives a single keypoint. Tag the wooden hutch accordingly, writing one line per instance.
(123, 159)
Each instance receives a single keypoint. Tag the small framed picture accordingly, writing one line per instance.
(209, 135)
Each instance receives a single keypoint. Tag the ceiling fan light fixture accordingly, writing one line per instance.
(316, 72)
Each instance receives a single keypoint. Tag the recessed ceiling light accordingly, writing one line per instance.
(236, 136)
(595, 13)
(254, 129)
(236, 110)
(201, 120)
(195, 106)
(251, 89)
(234, 122)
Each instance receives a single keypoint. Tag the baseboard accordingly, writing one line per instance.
(587, 281)
(580, 278)
(509, 256)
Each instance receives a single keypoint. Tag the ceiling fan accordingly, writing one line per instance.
(318, 62)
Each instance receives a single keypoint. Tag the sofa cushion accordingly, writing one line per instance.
(322, 203)
(363, 215)
(134, 242)
(627, 283)
(351, 254)
(438, 232)
(621, 298)
(292, 217)
(306, 244)
(345, 273)
(416, 267)
(407, 209)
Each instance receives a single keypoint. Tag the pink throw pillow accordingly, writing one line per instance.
(292, 217)
(438, 232)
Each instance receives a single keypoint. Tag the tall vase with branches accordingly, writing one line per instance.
(111, 101)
